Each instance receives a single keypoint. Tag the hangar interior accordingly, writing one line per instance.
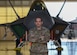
(8, 43)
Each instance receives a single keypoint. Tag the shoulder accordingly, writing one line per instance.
(44, 28)
(32, 29)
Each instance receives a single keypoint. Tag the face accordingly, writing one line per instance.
(38, 22)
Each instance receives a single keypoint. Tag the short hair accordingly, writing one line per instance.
(38, 17)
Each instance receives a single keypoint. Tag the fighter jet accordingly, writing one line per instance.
(38, 9)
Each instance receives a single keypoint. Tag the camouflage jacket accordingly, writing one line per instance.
(39, 36)
(39, 39)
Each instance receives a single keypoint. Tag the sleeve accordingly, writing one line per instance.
(45, 37)
(31, 36)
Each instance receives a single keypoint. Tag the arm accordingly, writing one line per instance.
(31, 36)
(45, 37)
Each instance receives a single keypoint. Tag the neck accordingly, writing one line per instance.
(38, 28)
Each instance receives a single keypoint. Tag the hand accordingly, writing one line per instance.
(42, 37)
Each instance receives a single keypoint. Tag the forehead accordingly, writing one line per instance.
(38, 19)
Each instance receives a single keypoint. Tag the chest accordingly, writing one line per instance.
(39, 32)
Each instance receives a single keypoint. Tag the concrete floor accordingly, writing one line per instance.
(11, 45)
(69, 48)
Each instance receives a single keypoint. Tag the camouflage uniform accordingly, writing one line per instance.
(39, 39)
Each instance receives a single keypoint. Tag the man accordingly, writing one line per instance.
(39, 36)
